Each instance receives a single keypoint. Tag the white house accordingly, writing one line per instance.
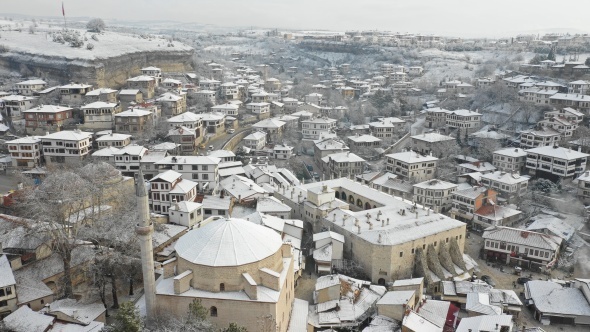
(227, 109)
(186, 214)
(282, 151)
(256, 140)
(113, 139)
(30, 87)
(411, 165)
(128, 159)
(100, 115)
(25, 152)
(203, 170)
(555, 161)
(312, 129)
(66, 146)
(329, 246)
(510, 160)
(168, 188)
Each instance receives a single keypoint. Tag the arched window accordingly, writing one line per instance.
(367, 206)
(222, 287)
(351, 199)
(213, 311)
(381, 282)
(359, 203)
(337, 194)
(343, 196)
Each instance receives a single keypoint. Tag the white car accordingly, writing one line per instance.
(231, 131)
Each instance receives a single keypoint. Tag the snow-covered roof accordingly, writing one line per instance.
(228, 242)
(113, 137)
(465, 113)
(26, 140)
(32, 82)
(151, 68)
(6, 276)
(483, 323)
(343, 157)
(185, 117)
(135, 112)
(504, 177)
(257, 135)
(17, 98)
(553, 225)
(511, 152)
(396, 297)
(328, 234)
(132, 150)
(84, 313)
(364, 138)
(109, 151)
(190, 160)
(386, 122)
(480, 303)
(558, 152)
(270, 205)
(29, 289)
(75, 86)
(414, 322)
(48, 109)
(269, 123)
(68, 135)
(411, 157)
(169, 96)
(408, 282)
(98, 92)
(435, 184)
(26, 320)
(141, 78)
(128, 92)
(432, 137)
(168, 176)
(522, 237)
(216, 202)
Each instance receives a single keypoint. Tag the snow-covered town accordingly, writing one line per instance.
(168, 176)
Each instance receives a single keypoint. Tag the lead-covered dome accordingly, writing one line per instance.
(228, 242)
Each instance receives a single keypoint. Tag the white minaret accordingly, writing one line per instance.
(144, 231)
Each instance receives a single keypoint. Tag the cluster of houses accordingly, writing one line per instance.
(237, 235)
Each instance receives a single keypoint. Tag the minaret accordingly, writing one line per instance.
(144, 231)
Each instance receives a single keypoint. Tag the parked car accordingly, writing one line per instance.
(488, 280)
(231, 131)
(211, 148)
(523, 280)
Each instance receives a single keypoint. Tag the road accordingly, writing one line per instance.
(219, 141)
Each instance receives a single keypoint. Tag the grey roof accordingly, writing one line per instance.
(396, 297)
(522, 237)
(551, 298)
(228, 242)
(483, 323)
(6, 276)
(26, 320)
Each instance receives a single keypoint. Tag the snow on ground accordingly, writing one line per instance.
(109, 44)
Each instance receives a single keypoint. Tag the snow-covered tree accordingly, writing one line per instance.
(95, 25)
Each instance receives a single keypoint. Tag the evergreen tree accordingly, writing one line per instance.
(233, 327)
(587, 63)
(127, 319)
(551, 55)
(196, 311)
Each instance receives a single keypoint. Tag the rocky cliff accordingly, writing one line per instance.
(108, 72)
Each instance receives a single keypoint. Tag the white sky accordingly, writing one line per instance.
(465, 18)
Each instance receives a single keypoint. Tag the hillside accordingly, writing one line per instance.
(111, 58)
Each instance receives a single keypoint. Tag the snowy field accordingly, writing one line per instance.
(109, 44)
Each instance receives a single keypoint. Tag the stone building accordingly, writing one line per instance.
(240, 271)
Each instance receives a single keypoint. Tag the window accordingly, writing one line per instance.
(222, 287)
(401, 254)
(8, 290)
(213, 311)
(2, 292)
(3, 303)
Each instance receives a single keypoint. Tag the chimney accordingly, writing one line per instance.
(359, 228)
